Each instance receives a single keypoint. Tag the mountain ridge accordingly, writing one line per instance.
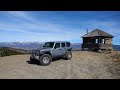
(35, 45)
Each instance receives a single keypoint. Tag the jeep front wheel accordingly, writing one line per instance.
(45, 59)
(68, 55)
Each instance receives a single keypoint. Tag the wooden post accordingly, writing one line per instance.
(99, 40)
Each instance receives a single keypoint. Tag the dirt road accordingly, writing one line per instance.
(83, 65)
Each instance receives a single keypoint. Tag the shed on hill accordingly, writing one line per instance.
(97, 40)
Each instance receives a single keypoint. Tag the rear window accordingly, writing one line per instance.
(63, 44)
(68, 44)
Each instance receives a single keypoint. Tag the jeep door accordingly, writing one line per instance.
(57, 50)
(63, 51)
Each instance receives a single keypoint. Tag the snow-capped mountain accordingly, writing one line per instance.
(31, 45)
(22, 45)
(35, 45)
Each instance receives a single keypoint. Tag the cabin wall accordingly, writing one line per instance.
(103, 43)
(85, 40)
(88, 40)
(108, 40)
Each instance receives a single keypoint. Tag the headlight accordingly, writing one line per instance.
(41, 51)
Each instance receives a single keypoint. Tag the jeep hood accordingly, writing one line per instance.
(42, 49)
(46, 49)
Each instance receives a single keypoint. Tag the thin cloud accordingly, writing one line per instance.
(36, 24)
(20, 14)
(32, 28)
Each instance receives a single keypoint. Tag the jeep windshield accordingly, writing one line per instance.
(48, 45)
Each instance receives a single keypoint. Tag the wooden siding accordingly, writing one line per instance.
(97, 46)
(108, 40)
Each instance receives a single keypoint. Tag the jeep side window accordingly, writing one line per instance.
(57, 45)
(68, 44)
(48, 44)
(63, 44)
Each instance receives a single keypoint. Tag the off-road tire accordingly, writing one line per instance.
(67, 57)
(45, 60)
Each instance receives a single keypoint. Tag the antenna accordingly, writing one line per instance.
(87, 30)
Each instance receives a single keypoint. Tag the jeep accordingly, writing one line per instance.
(52, 50)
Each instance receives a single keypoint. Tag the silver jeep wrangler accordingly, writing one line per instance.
(52, 50)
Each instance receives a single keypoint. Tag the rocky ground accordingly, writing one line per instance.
(83, 65)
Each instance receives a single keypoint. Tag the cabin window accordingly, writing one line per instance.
(103, 41)
(96, 40)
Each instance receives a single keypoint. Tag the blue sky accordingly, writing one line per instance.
(41, 26)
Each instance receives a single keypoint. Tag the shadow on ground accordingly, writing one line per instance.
(33, 62)
(37, 62)
(56, 59)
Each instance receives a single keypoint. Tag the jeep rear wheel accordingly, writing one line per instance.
(68, 55)
(45, 60)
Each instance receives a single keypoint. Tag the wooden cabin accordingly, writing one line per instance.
(97, 40)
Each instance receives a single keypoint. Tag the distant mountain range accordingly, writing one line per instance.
(116, 47)
(35, 45)
(22, 45)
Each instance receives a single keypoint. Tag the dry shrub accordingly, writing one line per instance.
(116, 55)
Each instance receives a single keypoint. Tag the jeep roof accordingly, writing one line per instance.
(59, 41)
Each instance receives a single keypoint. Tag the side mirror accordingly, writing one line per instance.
(54, 47)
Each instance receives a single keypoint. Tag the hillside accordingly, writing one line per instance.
(7, 51)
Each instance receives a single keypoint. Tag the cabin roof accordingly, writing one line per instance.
(97, 32)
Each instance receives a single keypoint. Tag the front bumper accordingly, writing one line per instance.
(34, 57)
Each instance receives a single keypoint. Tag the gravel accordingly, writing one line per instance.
(83, 65)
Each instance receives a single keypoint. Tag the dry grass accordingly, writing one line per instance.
(115, 56)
